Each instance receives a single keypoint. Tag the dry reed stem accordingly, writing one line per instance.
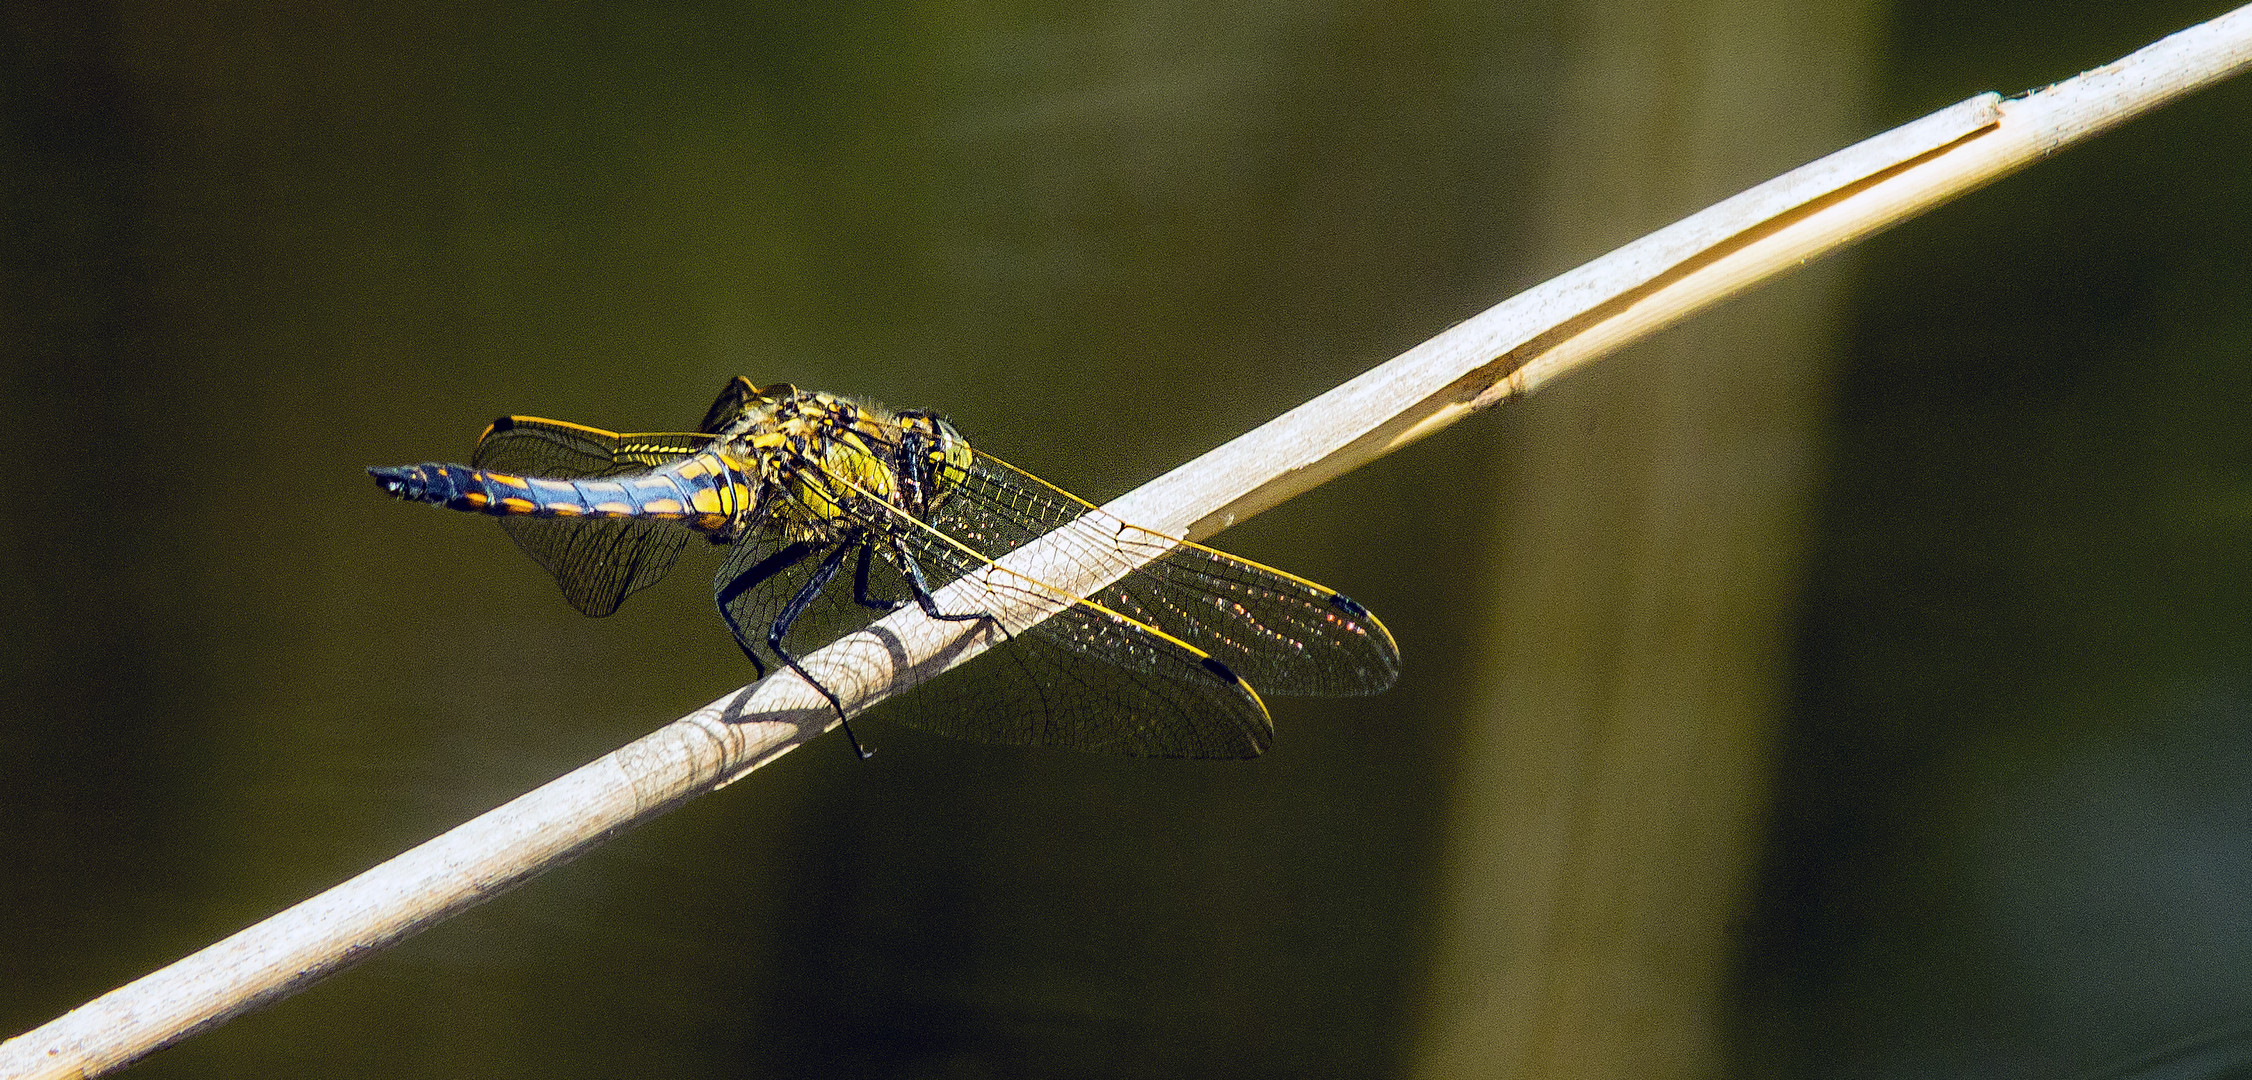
(1507, 351)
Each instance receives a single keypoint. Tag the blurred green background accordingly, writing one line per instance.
(1996, 817)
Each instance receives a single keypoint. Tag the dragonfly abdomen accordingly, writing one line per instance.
(704, 502)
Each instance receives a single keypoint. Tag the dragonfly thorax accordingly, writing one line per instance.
(832, 466)
(829, 486)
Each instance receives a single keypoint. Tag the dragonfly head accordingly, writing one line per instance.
(933, 460)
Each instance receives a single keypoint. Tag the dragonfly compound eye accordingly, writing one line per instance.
(951, 456)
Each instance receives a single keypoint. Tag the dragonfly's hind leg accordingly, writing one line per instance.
(789, 617)
(752, 578)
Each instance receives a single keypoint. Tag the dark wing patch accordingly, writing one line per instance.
(740, 396)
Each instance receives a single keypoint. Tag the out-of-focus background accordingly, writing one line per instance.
(1856, 681)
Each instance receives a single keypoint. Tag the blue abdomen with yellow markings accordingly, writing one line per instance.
(701, 499)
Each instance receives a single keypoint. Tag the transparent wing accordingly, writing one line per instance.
(1089, 677)
(535, 447)
(1285, 634)
(597, 561)
(1086, 682)
(1085, 679)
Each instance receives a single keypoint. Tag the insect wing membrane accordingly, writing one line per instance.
(1084, 678)
(1284, 634)
(597, 561)
(1039, 690)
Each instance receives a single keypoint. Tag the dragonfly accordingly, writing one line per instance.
(1168, 660)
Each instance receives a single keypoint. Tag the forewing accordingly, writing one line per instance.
(597, 561)
(1284, 634)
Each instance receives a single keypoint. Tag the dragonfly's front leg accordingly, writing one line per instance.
(922, 590)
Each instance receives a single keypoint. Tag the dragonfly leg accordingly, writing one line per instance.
(922, 591)
(750, 579)
(782, 623)
(860, 581)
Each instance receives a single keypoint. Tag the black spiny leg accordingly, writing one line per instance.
(860, 581)
(922, 591)
(750, 579)
(804, 599)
